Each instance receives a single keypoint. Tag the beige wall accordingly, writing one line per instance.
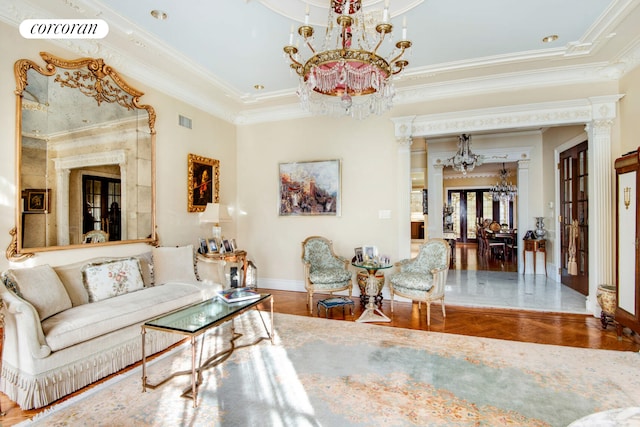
(368, 153)
(210, 137)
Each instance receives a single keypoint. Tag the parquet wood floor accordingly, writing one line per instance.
(528, 326)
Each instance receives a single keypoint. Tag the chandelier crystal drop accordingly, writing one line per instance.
(503, 190)
(464, 160)
(346, 75)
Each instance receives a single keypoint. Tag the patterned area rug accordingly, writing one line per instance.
(325, 372)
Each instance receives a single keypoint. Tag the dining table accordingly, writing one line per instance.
(508, 236)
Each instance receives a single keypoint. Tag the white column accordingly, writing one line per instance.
(62, 205)
(525, 220)
(403, 132)
(436, 187)
(404, 196)
(600, 197)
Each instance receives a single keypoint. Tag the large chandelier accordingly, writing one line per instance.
(504, 191)
(346, 75)
(464, 160)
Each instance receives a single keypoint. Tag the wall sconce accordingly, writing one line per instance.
(627, 197)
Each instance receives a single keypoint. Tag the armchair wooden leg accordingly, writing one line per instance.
(428, 313)
(310, 302)
(443, 313)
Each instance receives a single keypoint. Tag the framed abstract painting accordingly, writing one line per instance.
(310, 188)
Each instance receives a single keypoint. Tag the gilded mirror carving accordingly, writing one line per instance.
(85, 152)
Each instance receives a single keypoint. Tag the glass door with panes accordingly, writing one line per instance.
(472, 207)
(102, 205)
(574, 218)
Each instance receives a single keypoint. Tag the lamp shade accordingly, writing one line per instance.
(211, 213)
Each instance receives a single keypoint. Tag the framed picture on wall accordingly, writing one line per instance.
(310, 188)
(203, 184)
(36, 200)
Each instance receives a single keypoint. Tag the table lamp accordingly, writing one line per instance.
(211, 214)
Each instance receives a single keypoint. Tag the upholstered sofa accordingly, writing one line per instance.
(68, 326)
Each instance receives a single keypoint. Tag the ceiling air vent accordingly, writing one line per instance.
(184, 121)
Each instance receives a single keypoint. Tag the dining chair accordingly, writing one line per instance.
(493, 247)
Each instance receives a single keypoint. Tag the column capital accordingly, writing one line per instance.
(404, 142)
(599, 125)
(403, 130)
(63, 172)
(604, 107)
(523, 164)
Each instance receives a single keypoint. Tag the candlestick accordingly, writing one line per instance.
(404, 28)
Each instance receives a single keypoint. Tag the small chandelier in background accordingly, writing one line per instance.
(504, 191)
(464, 160)
(345, 75)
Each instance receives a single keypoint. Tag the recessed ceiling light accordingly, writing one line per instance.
(159, 14)
(258, 87)
(550, 38)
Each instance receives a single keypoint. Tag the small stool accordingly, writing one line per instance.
(333, 302)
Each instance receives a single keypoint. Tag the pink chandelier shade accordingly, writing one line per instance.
(348, 74)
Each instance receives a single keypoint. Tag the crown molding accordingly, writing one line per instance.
(523, 116)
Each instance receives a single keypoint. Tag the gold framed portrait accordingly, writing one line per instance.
(203, 182)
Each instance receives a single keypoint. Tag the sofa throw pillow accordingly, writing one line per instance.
(41, 287)
(71, 277)
(173, 264)
(146, 264)
(112, 278)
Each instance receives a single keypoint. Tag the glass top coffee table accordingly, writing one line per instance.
(195, 320)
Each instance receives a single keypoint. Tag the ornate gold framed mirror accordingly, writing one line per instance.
(85, 158)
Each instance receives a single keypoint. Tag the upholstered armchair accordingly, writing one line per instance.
(422, 278)
(324, 271)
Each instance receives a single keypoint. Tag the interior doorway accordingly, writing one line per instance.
(574, 208)
(102, 198)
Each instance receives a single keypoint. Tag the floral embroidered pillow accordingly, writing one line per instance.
(112, 278)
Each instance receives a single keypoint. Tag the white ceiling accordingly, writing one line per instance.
(212, 53)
